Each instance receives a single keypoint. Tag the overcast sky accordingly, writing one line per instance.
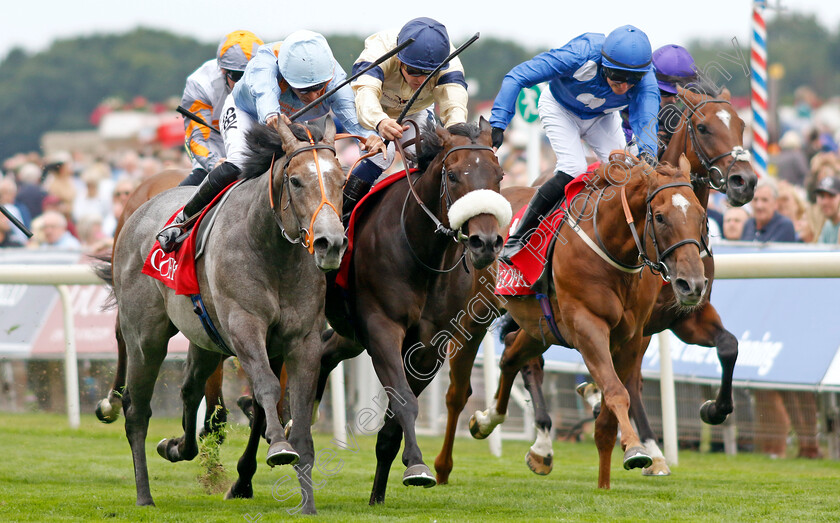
(533, 23)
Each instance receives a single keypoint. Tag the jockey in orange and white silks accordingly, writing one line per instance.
(205, 93)
(383, 92)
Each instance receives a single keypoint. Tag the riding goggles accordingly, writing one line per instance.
(311, 89)
(413, 71)
(623, 77)
(234, 76)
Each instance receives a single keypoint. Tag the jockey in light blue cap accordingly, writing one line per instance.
(590, 79)
(283, 78)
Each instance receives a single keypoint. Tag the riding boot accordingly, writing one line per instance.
(358, 184)
(542, 202)
(195, 178)
(219, 178)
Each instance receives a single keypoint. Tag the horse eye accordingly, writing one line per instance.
(659, 218)
(451, 175)
(295, 182)
(702, 128)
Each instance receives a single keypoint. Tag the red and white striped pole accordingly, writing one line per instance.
(758, 85)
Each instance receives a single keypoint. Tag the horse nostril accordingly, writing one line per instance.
(344, 244)
(322, 244)
(737, 181)
(475, 243)
(498, 244)
(682, 286)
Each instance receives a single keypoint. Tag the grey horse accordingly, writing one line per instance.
(262, 281)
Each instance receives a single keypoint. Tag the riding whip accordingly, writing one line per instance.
(195, 118)
(15, 221)
(346, 81)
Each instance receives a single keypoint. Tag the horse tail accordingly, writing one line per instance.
(506, 325)
(104, 270)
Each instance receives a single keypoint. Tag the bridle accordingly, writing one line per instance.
(304, 236)
(457, 235)
(656, 267)
(738, 153)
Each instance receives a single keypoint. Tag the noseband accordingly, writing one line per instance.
(738, 153)
(305, 236)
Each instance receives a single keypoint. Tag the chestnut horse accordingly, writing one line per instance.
(600, 300)
(710, 133)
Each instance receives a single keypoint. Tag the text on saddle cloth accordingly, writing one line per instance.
(177, 269)
(529, 263)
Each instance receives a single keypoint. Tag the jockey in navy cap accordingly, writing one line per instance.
(383, 92)
(590, 79)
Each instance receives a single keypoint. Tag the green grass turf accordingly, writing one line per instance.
(49, 472)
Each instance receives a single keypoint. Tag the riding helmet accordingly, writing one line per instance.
(430, 47)
(305, 59)
(237, 49)
(674, 66)
(626, 48)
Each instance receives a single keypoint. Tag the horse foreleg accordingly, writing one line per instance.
(387, 447)
(200, 365)
(215, 415)
(606, 429)
(108, 409)
(519, 348)
(634, 383)
(704, 327)
(540, 457)
(247, 465)
(460, 369)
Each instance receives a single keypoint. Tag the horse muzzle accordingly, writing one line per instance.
(689, 290)
(740, 187)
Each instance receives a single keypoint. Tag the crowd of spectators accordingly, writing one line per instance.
(73, 201)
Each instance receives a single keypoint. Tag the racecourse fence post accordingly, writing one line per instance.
(337, 395)
(669, 403)
(71, 365)
(491, 379)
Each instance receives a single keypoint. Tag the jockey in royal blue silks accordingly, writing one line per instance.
(591, 79)
(383, 92)
(281, 79)
(204, 95)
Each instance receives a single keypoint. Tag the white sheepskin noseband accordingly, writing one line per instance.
(482, 201)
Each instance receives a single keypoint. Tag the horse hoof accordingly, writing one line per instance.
(113, 414)
(419, 476)
(281, 453)
(475, 430)
(636, 458)
(235, 492)
(540, 465)
(658, 468)
(168, 450)
(710, 415)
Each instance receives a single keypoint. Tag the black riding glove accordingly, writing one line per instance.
(648, 158)
(498, 135)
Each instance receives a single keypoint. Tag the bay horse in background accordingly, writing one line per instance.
(266, 296)
(398, 300)
(108, 408)
(652, 217)
(710, 133)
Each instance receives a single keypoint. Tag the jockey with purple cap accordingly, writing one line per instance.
(590, 79)
(383, 92)
(281, 79)
(204, 95)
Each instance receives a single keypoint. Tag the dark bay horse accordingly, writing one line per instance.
(399, 302)
(710, 133)
(263, 284)
(600, 299)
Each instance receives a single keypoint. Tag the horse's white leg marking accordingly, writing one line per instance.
(542, 446)
(489, 419)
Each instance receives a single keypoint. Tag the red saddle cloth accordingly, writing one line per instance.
(342, 279)
(177, 269)
(528, 264)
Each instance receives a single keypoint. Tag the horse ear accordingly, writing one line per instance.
(289, 139)
(725, 94)
(329, 130)
(690, 98)
(444, 135)
(484, 125)
(684, 164)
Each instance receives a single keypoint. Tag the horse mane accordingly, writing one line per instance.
(265, 144)
(431, 144)
(602, 180)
